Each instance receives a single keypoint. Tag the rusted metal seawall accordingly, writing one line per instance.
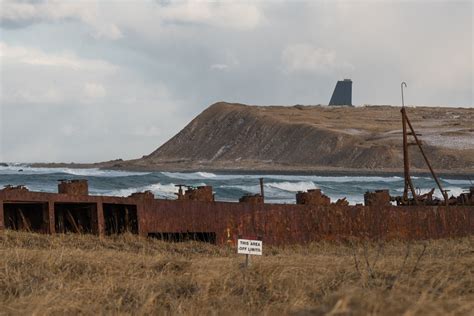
(41, 212)
(222, 222)
(295, 224)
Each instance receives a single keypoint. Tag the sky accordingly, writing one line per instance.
(88, 81)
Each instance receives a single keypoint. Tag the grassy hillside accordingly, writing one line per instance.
(67, 274)
(234, 136)
(362, 140)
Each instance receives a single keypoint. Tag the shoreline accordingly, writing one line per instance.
(320, 171)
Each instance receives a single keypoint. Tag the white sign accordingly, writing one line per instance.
(249, 247)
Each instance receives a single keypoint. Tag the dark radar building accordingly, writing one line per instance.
(342, 94)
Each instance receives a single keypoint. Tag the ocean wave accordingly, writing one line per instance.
(292, 186)
(167, 190)
(335, 179)
(103, 172)
(274, 186)
(456, 191)
(163, 190)
(313, 178)
(458, 181)
(344, 179)
(91, 172)
(246, 188)
(452, 191)
(197, 175)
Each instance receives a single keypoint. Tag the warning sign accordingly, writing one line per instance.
(249, 247)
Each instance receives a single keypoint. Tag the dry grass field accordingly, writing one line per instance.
(71, 274)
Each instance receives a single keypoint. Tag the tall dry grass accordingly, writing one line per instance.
(71, 274)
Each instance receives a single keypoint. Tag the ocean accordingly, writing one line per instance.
(227, 186)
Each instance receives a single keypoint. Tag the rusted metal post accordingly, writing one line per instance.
(61, 226)
(26, 226)
(73, 223)
(247, 260)
(180, 194)
(52, 218)
(261, 190)
(406, 161)
(403, 84)
(141, 219)
(115, 217)
(127, 221)
(100, 219)
(2, 221)
(45, 223)
(405, 156)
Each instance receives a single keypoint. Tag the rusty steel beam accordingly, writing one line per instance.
(51, 218)
(2, 219)
(71, 221)
(406, 162)
(445, 196)
(100, 219)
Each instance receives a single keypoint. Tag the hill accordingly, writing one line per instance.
(228, 136)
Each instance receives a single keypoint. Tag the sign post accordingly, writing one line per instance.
(249, 247)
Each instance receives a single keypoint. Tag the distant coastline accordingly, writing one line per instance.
(237, 138)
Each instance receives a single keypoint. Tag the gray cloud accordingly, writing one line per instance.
(88, 81)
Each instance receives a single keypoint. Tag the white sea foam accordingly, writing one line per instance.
(167, 190)
(313, 178)
(207, 175)
(163, 190)
(286, 193)
(190, 176)
(456, 191)
(246, 188)
(278, 188)
(92, 172)
(352, 199)
(103, 173)
(292, 186)
(198, 175)
(458, 181)
(275, 186)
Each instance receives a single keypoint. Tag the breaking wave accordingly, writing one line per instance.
(160, 190)
(344, 179)
(456, 191)
(282, 186)
(199, 175)
(228, 187)
(292, 186)
(89, 172)
(458, 181)
(103, 173)
(339, 179)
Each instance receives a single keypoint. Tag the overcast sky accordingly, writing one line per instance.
(88, 81)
